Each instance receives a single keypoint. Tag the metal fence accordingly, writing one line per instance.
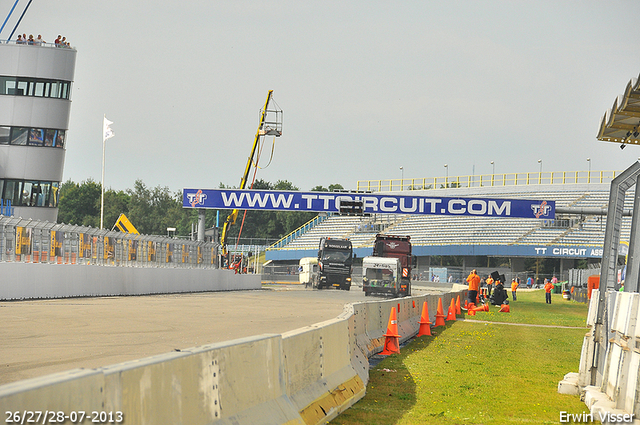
(484, 180)
(33, 241)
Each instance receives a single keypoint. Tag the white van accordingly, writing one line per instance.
(308, 268)
(381, 275)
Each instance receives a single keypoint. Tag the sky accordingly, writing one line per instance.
(370, 90)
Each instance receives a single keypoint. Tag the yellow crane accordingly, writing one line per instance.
(124, 225)
(270, 125)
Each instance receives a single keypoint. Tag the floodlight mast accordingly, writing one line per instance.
(265, 128)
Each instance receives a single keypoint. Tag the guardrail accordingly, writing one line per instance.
(488, 180)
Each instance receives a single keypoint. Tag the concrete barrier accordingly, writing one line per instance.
(22, 281)
(616, 392)
(306, 376)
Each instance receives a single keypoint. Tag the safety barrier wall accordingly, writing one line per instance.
(306, 376)
(617, 388)
(32, 281)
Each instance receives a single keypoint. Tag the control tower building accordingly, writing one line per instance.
(35, 100)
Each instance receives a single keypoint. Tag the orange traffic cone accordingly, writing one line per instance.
(439, 314)
(504, 308)
(471, 311)
(391, 341)
(451, 313)
(480, 308)
(458, 309)
(425, 324)
(486, 307)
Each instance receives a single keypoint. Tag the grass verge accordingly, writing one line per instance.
(532, 309)
(480, 373)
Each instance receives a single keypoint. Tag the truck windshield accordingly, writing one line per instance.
(336, 255)
(379, 274)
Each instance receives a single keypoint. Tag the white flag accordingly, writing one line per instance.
(106, 130)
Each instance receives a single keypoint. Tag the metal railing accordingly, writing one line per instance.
(36, 44)
(33, 241)
(489, 180)
(299, 231)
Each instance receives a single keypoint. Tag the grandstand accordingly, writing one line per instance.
(569, 236)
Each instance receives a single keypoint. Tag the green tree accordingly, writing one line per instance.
(115, 203)
(332, 187)
(153, 210)
(79, 203)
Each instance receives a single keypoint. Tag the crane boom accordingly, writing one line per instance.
(263, 130)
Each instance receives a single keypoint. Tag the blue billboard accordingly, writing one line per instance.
(529, 251)
(329, 202)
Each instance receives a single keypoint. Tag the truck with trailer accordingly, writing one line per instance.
(381, 275)
(393, 246)
(335, 260)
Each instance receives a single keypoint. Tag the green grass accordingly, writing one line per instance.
(480, 373)
(532, 309)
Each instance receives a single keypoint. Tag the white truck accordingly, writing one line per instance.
(308, 271)
(381, 275)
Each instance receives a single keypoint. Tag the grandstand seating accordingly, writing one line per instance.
(465, 230)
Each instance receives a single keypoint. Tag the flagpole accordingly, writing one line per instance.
(107, 133)
(102, 183)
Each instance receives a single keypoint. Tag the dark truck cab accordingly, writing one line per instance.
(397, 247)
(335, 258)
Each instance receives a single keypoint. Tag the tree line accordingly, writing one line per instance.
(153, 210)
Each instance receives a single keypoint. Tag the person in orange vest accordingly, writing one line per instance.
(489, 282)
(474, 285)
(548, 287)
(514, 288)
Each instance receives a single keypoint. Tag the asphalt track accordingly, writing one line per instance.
(41, 337)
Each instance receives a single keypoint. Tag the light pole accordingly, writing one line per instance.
(402, 178)
(589, 172)
(493, 171)
(446, 180)
(540, 174)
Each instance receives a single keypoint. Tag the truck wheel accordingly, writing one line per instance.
(346, 287)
